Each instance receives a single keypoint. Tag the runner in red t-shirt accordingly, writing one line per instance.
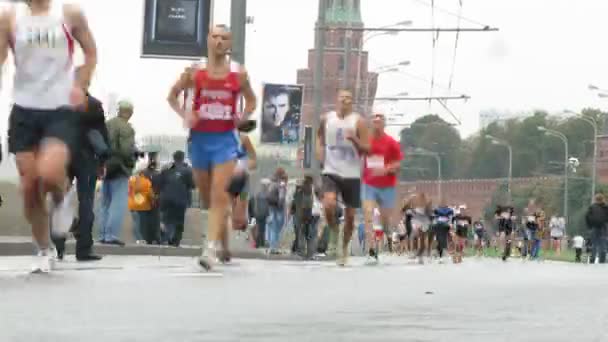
(380, 180)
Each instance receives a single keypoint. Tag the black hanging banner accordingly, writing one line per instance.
(307, 147)
(176, 29)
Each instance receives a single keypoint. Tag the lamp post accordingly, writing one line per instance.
(362, 44)
(500, 142)
(561, 136)
(423, 152)
(593, 123)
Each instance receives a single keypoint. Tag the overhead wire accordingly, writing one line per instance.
(451, 80)
(434, 51)
(443, 10)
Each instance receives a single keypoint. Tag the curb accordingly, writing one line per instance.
(15, 248)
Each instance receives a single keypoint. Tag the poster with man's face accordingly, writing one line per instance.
(281, 112)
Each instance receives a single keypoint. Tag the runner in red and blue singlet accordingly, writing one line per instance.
(217, 86)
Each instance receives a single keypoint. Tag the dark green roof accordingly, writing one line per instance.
(343, 11)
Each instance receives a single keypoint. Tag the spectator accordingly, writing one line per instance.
(115, 189)
(303, 204)
(597, 218)
(578, 242)
(261, 212)
(152, 230)
(84, 166)
(140, 202)
(176, 185)
(276, 202)
(558, 230)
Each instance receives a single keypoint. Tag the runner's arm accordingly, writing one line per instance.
(320, 141)
(5, 35)
(251, 155)
(248, 94)
(83, 35)
(184, 81)
(361, 139)
(395, 164)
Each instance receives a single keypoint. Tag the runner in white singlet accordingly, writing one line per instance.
(342, 140)
(42, 126)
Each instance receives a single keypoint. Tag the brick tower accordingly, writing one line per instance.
(339, 13)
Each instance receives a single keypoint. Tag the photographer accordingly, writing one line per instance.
(118, 169)
(94, 151)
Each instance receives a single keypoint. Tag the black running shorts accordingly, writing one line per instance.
(348, 188)
(27, 127)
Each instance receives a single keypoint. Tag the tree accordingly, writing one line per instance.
(431, 133)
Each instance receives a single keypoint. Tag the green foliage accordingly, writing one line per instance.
(534, 153)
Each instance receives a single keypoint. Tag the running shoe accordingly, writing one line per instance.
(372, 258)
(62, 215)
(44, 262)
(208, 259)
(343, 258)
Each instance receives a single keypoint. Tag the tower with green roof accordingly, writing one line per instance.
(339, 13)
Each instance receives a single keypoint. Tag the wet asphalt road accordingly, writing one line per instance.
(146, 299)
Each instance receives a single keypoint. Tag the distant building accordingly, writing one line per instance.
(339, 13)
(488, 117)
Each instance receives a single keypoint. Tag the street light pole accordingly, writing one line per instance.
(497, 141)
(593, 123)
(563, 137)
(318, 83)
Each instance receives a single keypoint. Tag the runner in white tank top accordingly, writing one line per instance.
(42, 126)
(342, 140)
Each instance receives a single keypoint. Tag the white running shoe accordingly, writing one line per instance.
(44, 262)
(62, 215)
(343, 257)
(209, 258)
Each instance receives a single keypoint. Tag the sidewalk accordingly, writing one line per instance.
(23, 246)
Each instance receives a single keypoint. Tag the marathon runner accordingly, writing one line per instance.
(480, 235)
(443, 219)
(342, 140)
(504, 216)
(380, 180)
(43, 127)
(462, 223)
(421, 211)
(214, 148)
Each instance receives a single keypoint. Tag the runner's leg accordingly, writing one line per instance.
(368, 214)
(220, 202)
(34, 208)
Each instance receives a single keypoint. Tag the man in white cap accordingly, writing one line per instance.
(115, 190)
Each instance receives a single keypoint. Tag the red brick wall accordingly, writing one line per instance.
(475, 193)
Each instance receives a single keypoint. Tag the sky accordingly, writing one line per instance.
(544, 55)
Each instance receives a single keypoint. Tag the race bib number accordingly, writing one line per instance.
(531, 219)
(505, 215)
(215, 111)
(442, 219)
(375, 162)
(463, 223)
(377, 227)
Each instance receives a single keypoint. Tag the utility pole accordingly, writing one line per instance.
(318, 80)
(238, 22)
